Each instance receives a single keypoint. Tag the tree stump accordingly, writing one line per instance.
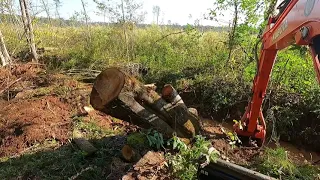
(122, 96)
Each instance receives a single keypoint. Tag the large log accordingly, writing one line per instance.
(122, 96)
(179, 110)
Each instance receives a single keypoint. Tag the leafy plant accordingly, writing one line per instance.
(155, 139)
(185, 163)
(232, 136)
(233, 139)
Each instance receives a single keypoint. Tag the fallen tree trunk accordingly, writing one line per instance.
(122, 96)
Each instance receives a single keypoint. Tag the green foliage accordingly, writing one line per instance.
(155, 139)
(137, 140)
(276, 162)
(233, 139)
(185, 163)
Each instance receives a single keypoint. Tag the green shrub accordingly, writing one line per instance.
(275, 162)
(185, 163)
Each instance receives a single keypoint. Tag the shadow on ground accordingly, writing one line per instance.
(68, 162)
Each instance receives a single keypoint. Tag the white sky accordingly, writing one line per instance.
(177, 11)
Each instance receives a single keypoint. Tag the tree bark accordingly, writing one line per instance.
(124, 97)
(24, 20)
(28, 28)
(179, 110)
(5, 57)
(3, 60)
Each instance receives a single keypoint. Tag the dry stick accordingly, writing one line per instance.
(180, 32)
(82, 171)
(11, 84)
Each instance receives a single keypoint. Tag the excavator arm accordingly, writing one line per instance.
(297, 23)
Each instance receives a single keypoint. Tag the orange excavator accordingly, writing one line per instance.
(298, 22)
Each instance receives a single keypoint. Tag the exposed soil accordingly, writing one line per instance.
(28, 122)
(25, 122)
(239, 155)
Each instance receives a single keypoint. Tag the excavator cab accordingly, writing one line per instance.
(280, 8)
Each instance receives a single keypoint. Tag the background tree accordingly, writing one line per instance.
(7, 7)
(103, 10)
(57, 4)
(247, 15)
(26, 19)
(46, 8)
(122, 11)
(86, 17)
(156, 13)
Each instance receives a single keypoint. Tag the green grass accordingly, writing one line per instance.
(91, 130)
(276, 163)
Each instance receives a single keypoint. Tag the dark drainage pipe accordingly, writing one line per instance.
(228, 171)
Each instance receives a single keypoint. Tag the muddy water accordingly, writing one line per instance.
(298, 155)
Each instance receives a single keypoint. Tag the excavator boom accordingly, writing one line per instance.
(297, 23)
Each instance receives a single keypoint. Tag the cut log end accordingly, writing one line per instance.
(107, 87)
(168, 93)
(128, 153)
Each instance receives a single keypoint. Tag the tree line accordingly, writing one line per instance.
(248, 17)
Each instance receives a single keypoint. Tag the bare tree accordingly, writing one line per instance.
(127, 13)
(28, 28)
(7, 7)
(86, 18)
(4, 55)
(103, 10)
(46, 9)
(57, 4)
(122, 10)
(156, 13)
